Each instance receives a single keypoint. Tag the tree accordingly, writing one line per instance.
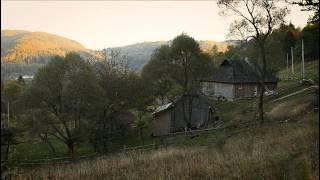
(184, 53)
(178, 67)
(144, 99)
(116, 80)
(66, 89)
(174, 69)
(309, 5)
(11, 91)
(310, 36)
(157, 74)
(37, 122)
(8, 137)
(256, 20)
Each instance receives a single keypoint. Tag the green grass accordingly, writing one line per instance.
(311, 71)
(39, 150)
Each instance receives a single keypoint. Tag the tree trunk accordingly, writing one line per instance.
(141, 135)
(71, 148)
(190, 109)
(51, 146)
(7, 150)
(45, 139)
(262, 79)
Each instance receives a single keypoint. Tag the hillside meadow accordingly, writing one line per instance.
(277, 151)
(286, 146)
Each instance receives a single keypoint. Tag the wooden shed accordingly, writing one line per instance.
(188, 111)
(236, 79)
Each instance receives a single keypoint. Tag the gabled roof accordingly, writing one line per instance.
(239, 71)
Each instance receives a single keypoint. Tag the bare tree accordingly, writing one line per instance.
(255, 19)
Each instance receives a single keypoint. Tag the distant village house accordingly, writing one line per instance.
(236, 79)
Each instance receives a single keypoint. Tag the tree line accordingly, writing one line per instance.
(99, 102)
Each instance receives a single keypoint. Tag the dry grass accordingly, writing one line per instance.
(285, 151)
(286, 110)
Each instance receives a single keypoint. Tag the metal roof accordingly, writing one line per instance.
(163, 107)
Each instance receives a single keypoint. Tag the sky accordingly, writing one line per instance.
(102, 24)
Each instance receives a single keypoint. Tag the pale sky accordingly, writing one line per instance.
(101, 24)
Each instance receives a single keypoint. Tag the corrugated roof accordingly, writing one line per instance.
(238, 71)
(163, 107)
(169, 105)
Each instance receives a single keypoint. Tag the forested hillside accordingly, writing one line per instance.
(24, 47)
(139, 54)
(23, 52)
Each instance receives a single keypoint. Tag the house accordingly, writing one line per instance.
(188, 111)
(236, 79)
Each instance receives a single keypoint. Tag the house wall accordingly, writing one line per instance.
(233, 91)
(162, 123)
(245, 90)
(199, 117)
(218, 89)
(271, 86)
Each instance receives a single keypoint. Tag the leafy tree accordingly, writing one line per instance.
(144, 99)
(310, 36)
(157, 74)
(173, 69)
(116, 80)
(256, 20)
(184, 53)
(11, 92)
(67, 89)
(309, 5)
(8, 138)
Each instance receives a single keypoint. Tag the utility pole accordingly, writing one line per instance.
(292, 68)
(287, 61)
(302, 58)
(287, 65)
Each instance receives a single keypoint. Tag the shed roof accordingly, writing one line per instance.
(239, 71)
(171, 104)
(163, 107)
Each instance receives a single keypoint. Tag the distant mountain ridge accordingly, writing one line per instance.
(19, 46)
(139, 54)
(24, 47)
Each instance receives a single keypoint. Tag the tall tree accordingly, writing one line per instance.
(184, 54)
(66, 89)
(157, 74)
(115, 79)
(309, 5)
(256, 19)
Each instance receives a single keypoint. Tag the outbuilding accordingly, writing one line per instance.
(187, 112)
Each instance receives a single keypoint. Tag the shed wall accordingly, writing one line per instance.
(199, 117)
(162, 123)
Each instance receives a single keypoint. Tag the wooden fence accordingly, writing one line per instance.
(125, 149)
(66, 160)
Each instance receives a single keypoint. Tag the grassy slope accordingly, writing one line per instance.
(273, 151)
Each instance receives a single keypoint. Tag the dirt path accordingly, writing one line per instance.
(295, 93)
